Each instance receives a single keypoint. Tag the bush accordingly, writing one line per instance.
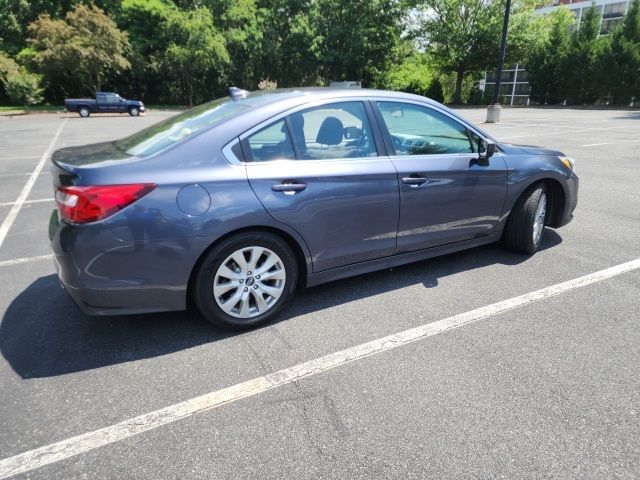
(435, 91)
(23, 88)
(20, 86)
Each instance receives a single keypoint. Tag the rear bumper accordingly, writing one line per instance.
(107, 276)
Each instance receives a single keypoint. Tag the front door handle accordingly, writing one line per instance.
(289, 188)
(414, 180)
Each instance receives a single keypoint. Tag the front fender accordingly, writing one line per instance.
(526, 170)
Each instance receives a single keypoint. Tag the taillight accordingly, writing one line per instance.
(83, 204)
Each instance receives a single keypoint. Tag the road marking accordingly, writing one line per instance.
(571, 131)
(4, 175)
(22, 157)
(546, 133)
(70, 447)
(609, 143)
(26, 202)
(13, 213)
(19, 261)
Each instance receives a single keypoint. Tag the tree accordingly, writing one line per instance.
(547, 76)
(355, 40)
(145, 22)
(196, 56)
(20, 86)
(87, 43)
(583, 59)
(623, 57)
(415, 74)
(461, 35)
(289, 49)
(241, 22)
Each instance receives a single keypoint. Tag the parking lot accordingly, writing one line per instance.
(542, 386)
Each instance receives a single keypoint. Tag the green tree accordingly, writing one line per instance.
(623, 58)
(547, 75)
(20, 86)
(289, 52)
(241, 22)
(87, 44)
(415, 74)
(355, 40)
(196, 56)
(463, 36)
(584, 60)
(145, 22)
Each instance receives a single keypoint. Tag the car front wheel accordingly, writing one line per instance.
(525, 226)
(134, 111)
(245, 281)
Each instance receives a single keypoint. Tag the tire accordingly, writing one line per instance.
(84, 112)
(525, 226)
(228, 293)
(134, 111)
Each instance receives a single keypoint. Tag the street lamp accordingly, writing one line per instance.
(493, 112)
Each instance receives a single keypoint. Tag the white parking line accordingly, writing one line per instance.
(3, 175)
(13, 213)
(609, 143)
(70, 447)
(573, 131)
(18, 261)
(26, 202)
(22, 157)
(546, 134)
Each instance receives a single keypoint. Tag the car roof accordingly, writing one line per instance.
(266, 97)
(285, 98)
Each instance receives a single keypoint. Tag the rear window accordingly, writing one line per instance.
(175, 129)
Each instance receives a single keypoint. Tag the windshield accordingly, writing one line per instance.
(171, 131)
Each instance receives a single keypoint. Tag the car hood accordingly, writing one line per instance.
(529, 150)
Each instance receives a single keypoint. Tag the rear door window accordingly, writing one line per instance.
(333, 131)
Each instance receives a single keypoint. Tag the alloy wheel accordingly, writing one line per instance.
(249, 282)
(538, 220)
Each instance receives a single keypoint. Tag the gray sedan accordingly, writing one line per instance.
(239, 201)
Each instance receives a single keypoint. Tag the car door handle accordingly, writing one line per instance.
(289, 188)
(414, 181)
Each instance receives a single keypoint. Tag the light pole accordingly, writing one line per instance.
(493, 112)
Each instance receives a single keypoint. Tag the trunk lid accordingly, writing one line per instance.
(73, 165)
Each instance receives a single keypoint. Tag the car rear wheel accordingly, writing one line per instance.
(84, 112)
(245, 281)
(134, 111)
(525, 226)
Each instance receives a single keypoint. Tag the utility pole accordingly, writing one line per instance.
(493, 112)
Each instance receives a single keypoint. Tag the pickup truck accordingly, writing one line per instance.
(105, 102)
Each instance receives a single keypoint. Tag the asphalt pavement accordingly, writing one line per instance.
(546, 389)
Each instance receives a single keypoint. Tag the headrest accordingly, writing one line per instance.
(331, 132)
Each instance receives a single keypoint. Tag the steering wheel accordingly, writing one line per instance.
(397, 143)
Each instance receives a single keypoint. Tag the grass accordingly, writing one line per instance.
(17, 110)
(13, 109)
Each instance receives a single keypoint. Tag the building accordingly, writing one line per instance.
(514, 85)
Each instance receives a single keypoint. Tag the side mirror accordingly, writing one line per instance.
(489, 150)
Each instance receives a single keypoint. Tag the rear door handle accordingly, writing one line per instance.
(289, 188)
(414, 181)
